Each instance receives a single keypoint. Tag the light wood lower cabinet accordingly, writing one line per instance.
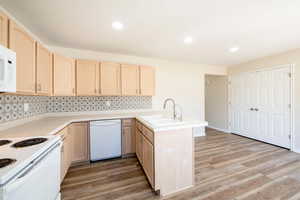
(148, 159)
(66, 151)
(145, 152)
(128, 137)
(139, 145)
(167, 158)
(79, 133)
(74, 146)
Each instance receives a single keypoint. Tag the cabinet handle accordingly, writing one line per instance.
(251, 109)
(256, 109)
(95, 91)
(73, 90)
(39, 87)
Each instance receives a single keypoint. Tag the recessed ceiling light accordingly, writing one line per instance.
(234, 49)
(117, 25)
(188, 40)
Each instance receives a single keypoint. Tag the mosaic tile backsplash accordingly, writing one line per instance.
(12, 107)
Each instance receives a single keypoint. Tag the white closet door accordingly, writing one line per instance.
(274, 106)
(260, 105)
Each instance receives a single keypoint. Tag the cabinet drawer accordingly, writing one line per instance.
(139, 126)
(148, 134)
(127, 122)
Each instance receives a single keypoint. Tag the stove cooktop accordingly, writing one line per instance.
(29, 142)
(4, 142)
(6, 161)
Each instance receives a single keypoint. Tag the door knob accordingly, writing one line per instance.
(256, 109)
(252, 109)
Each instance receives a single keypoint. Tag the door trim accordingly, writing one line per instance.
(292, 103)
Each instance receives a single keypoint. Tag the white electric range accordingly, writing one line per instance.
(30, 168)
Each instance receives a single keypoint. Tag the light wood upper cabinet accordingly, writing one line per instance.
(63, 76)
(130, 79)
(43, 70)
(3, 29)
(147, 81)
(110, 78)
(79, 132)
(87, 78)
(24, 46)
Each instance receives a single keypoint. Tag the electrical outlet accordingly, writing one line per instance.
(107, 103)
(26, 107)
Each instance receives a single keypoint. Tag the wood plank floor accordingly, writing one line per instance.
(227, 167)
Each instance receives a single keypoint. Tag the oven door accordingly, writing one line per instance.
(40, 181)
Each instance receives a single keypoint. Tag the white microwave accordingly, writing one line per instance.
(8, 75)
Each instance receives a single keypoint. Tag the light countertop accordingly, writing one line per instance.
(52, 123)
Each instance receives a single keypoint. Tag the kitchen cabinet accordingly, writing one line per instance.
(145, 151)
(110, 78)
(43, 70)
(130, 80)
(87, 78)
(66, 151)
(3, 29)
(63, 76)
(79, 134)
(147, 81)
(139, 145)
(128, 137)
(148, 160)
(24, 46)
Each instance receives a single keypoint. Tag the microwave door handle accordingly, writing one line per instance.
(5, 69)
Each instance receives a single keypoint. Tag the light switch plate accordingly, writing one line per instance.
(26, 107)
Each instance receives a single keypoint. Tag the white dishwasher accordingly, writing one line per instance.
(105, 139)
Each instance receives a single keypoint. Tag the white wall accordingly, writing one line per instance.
(290, 57)
(216, 92)
(181, 81)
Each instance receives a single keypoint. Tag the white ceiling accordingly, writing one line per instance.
(156, 28)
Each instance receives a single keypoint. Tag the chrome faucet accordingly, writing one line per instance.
(174, 108)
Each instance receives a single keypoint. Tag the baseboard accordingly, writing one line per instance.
(296, 150)
(219, 129)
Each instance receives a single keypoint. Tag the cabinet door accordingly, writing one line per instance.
(87, 77)
(110, 78)
(130, 80)
(128, 141)
(148, 160)
(139, 145)
(43, 70)
(3, 29)
(79, 132)
(63, 76)
(65, 155)
(24, 46)
(147, 81)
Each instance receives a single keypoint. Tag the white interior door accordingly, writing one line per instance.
(260, 105)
